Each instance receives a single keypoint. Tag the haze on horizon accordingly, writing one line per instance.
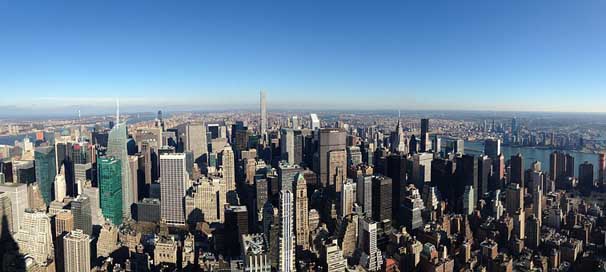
(61, 56)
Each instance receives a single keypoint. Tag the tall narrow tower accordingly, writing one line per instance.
(286, 248)
(116, 148)
(263, 116)
(173, 177)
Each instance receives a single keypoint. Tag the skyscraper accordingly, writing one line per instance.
(286, 256)
(35, 236)
(348, 198)
(381, 205)
(371, 258)
(514, 198)
(586, 177)
(117, 148)
(17, 193)
(195, 141)
(110, 189)
(46, 171)
(412, 208)
(173, 180)
(484, 175)
(287, 145)
(82, 214)
(492, 148)
(6, 213)
(76, 251)
(364, 194)
(331, 139)
(424, 134)
(517, 169)
(229, 168)
(263, 121)
(60, 185)
(315, 121)
(602, 168)
(301, 213)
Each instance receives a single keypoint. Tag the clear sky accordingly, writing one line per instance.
(484, 55)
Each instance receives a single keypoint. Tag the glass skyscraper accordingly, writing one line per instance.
(45, 171)
(110, 189)
(117, 148)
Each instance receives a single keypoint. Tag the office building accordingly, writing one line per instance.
(514, 198)
(64, 222)
(412, 208)
(210, 197)
(110, 189)
(301, 213)
(332, 157)
(76, 251)
(35, 237)
(381, 204)
(229, 168)
(332, 256)
(263, 121)
(586, 177)
(492, 148)
(46, 171)
(348, 198)
(117, 148)
(424, 135)
(81, 211)
(6, 213)
(315, 121)
(19, 199)
(287, 145)
(173, 180)
(286, 256)
(517, 169)
(364, 194)
(371, 258)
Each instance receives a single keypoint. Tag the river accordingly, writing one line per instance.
(531, 154)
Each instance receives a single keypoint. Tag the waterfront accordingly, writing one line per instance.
(531, 154)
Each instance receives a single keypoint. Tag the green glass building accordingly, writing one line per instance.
(46, 171)
(110, 189)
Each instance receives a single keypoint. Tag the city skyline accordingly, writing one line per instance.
(515, 56)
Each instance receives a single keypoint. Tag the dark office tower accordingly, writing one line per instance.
(561, 165)
(412, 208)
(381, 205)
(396, 170)
(82, 214)
(602, 168)
(237, 216)
(424, 134)
(514, 126)
(60, 155)
(6, 167)
(569, 165)
(533, 232)
(436, 144)
(364, 194)
(484, 175)
(442, 176)
(46, 172)
(298, 148)
(146, 152)
(517, 169)
(492, 148)
(111, 125)
(330, 140)
(413, 145)
(467, 174)
(498, 173)
(586, 177)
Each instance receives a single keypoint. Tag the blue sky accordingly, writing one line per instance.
(484, 55)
